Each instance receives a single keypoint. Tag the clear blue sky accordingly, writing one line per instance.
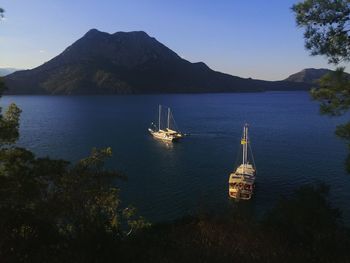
(254, 38)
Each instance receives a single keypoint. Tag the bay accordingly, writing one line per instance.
(293, 145)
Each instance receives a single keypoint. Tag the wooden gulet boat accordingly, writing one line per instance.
(241, 181)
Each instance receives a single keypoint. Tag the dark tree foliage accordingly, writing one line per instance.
(49, 207)
(309, 226)
(52, 211)
(333, 93)
(2, 11)
(327, 27)
(9, 122)
(301, 228)
(327, 33)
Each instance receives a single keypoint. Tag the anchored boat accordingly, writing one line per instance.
(241, 181)
(166, 134)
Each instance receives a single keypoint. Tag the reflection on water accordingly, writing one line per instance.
(164, 144)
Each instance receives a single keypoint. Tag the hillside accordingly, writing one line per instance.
(309, 75)
(129, 63)
(7, 71)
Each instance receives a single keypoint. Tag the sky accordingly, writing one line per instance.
(254, 38)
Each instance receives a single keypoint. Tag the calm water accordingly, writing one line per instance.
(292, 145)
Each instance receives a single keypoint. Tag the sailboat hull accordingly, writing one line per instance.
(163, 135)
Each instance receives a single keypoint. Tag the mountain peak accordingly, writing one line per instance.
(96, 32)
(93, 31)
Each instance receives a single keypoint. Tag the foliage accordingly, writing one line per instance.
(308, 223)
(327, 32)
(9, 125)
(49, 207)
(52, 211)
(2, 11)
(327, 27)
(300, 228)
(333, 93)
(9, 122)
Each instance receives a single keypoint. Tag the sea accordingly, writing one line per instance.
(292, 144)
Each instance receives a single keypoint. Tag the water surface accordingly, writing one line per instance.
(292, 145)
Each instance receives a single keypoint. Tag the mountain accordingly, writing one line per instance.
(308, 75)
(7, 71)
(129, 63)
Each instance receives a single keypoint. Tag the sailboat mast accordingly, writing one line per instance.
(159, 113)
(168, 118)
(245, 144)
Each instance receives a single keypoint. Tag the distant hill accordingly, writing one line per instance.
(7, 71)
(129, 63)
(309, 75)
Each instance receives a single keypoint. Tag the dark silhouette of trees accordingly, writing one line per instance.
(50, 207)
(301, 228)
(327, 32)
(53, 211)
(327, 27)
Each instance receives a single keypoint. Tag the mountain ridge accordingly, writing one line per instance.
(129, 63)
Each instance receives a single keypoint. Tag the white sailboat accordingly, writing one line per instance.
(166, 134)
(241, 181)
